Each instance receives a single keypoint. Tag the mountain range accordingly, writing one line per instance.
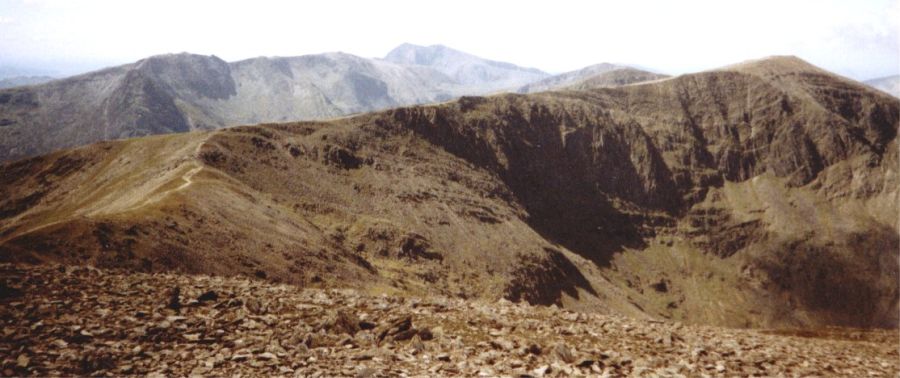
(185, 92)
(763, 194)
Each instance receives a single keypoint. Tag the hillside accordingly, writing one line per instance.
(597, 76)
(887, 84)
(184, 92)
(174, 325)
(728, 197)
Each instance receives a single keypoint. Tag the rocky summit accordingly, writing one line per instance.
(70, 320)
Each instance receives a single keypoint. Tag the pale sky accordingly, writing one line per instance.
(855, 38)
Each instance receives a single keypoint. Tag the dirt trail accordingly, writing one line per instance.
(187, 177)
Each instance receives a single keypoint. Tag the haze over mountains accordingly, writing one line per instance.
(887, 84)
(759, 194)
(18, 81)
(480, 75)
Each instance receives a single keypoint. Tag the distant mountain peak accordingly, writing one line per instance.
(408, 53)
(177, 57)
(465, 68)
(413, 46)
(604, 66)
(181, 61)
(202, 75)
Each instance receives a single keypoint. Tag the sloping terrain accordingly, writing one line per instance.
(184, 92)
(76, 321)
(469, 70)
(887, 84)
(601, 75)
(325, 203)
(763, 194)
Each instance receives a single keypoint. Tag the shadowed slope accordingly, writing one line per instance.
(746, 196)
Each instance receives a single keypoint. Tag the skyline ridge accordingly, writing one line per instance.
(857, 40)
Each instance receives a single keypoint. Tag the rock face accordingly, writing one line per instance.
(184, 92)
(70, 320)
(762, 194)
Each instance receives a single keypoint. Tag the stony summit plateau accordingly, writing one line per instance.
(434, 213)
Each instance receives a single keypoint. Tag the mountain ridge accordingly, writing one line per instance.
(183, 92)
(722, 197)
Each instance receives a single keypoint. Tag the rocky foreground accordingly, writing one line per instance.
(59, 320)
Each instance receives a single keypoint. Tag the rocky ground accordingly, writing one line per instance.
(60, 320)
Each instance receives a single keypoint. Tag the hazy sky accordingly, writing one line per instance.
(856, 38)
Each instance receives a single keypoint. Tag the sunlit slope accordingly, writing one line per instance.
(763, 195)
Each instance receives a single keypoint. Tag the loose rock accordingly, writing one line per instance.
(291, 331)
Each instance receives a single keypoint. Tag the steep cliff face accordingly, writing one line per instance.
(632, 168)
(748, 196)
